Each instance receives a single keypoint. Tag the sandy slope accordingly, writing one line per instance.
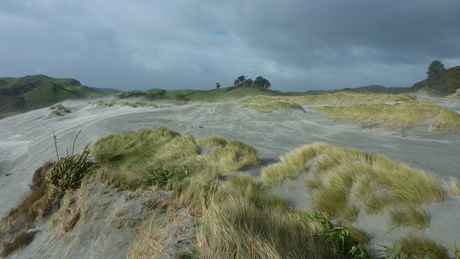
(26, 142)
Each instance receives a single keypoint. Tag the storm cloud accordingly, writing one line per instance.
(296, 44)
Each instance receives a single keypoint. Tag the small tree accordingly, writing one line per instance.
(434, 68)
(262, 82)
(217, 86)
(248, 82)
(239, 82)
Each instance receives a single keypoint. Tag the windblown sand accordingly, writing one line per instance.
(26, 142)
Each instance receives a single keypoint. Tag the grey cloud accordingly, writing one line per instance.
(297, 45)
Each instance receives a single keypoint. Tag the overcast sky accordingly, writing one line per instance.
(297, 45)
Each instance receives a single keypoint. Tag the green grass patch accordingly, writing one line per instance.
(409, 217)
(352, 97)
(405, 114)
(136, 155)
(415, 247)
(110, 103)
(343, 181)
(269, 103)
(239, 221)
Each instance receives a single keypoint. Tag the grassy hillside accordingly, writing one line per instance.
(209, 95)
(32, 92)
(444, 83)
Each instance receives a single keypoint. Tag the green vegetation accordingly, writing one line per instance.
(352, 97)
(342, 182)
(239, 221)
(405, 114)
(236, 217)
(452, 187)
(269, 103)
(137, 157)
(69, 171)
(435, 68)
(446, 82)
(110, 103)
(409, 216)
(38, 91)
(416, 247)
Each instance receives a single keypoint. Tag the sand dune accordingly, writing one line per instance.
(26, 142)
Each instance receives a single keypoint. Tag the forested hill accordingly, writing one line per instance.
(443, 83)
(37, 91)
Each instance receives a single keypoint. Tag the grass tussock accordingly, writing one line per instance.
(404, 115)
(342, 181)
(269, 103)
(409, 216)
(352, 97)
(148, 242)
(452, 187)
(292, 163)
(239, 221)
(144, 158)
(415, 247)
(21, 240)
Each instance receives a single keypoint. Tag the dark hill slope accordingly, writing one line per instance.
(444, 83)
(32, 92)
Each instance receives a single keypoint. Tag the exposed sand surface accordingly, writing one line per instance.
(26, 142)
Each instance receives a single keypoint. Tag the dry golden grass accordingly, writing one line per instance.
(239, 221)
(344, 181)
(405, 114)
(452, 187)
(352, 97)
(269, 103)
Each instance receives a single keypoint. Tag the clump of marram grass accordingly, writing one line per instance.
(291, 163)
(58, 109)
(352, 97)
(404, 115)
(342, 181)
(239, 221)
(269, 103)
(452, 187)
(21, 240)
(416, 247)
(409, 216)
(144, 154)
